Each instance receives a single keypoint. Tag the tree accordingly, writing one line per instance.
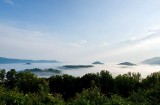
(2, 75)
(28, 82)
(11, 78)
(64, 85)
(106, 83)
(151, 80)
(90, 96)
(87, 78)
(127, 83)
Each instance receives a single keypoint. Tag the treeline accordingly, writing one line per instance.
(25, 88)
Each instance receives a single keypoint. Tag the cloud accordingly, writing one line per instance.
(9, 2)
(154, 28)
(135, 49)
(152, 33)
(23, 43)
(79, 43)
(83, 41)
(18, 33)
(75, 44)
(105, 44)
(141, 47)
(36, 44)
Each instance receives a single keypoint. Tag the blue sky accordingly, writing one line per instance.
(80, 30)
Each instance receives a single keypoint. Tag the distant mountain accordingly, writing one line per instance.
(127, 64)
(97, 62)
(4, 60)
(152, 61)
(76, 66)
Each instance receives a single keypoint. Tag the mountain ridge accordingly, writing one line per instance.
(152, 61)
(4, 60)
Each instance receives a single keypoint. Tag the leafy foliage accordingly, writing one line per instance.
(25, 88)
(2, 75)
(91, 96)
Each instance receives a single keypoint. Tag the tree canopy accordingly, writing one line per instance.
(25, 88)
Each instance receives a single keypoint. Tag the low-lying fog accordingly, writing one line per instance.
(113, 68)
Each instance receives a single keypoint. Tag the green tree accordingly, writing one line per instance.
(106, 83)
(151, 80)
(64, 85)
(2, 75)
(87, 78)
(118, 100)
(28, 82)
(11, 81)
(91, 96)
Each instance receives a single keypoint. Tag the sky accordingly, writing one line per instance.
(80, 30)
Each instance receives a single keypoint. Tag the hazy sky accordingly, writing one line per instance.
(80, 30)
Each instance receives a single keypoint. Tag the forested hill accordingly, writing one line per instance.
(4, 60)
